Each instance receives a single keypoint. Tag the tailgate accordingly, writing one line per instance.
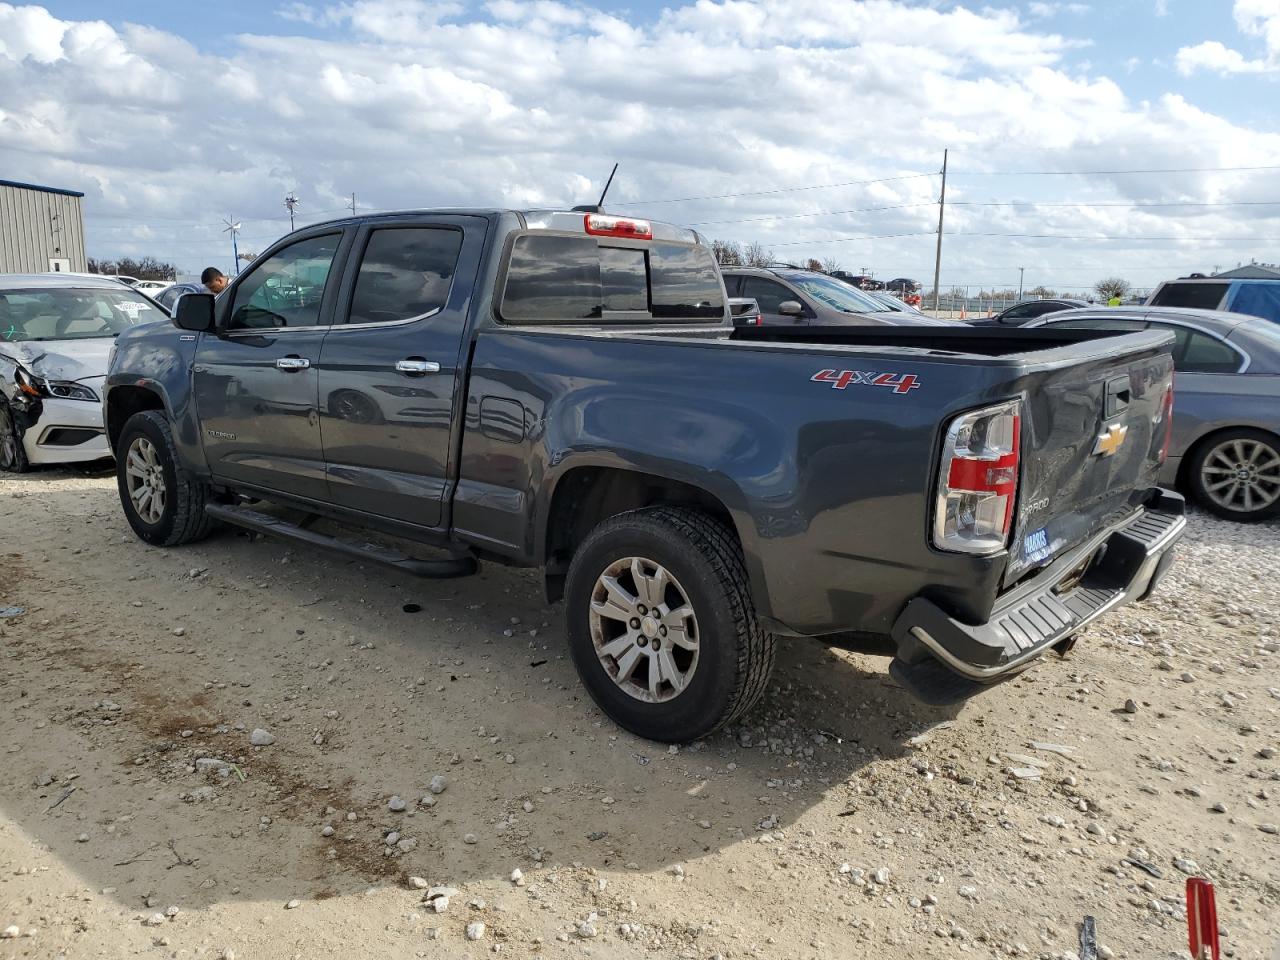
(1093, 434)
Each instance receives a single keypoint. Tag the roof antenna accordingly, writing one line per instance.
(587, 208)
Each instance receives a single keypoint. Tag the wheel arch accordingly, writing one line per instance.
(123, 402)
(586, 494)
(1195, 448)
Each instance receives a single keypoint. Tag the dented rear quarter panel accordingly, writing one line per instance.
(830, 489)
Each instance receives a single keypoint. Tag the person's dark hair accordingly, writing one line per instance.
(210, 274)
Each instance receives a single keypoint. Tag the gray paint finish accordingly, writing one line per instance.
(38, 224)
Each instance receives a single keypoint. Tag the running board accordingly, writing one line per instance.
(459, 566)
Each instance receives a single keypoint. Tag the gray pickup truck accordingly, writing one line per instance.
(566, 390)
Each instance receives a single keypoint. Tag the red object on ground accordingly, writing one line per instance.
(1202, 919)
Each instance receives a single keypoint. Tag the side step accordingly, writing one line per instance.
(460, 566)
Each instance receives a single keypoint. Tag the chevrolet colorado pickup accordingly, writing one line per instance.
(566, 390)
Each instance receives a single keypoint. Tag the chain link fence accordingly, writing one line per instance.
(968, 303)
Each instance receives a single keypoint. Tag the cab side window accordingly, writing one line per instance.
(1196, 352)
(406, 272)
(286, 289)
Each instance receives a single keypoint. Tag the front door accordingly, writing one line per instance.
(256, 381)
(389, 367)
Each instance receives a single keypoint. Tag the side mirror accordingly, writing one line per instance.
(791, 308)
(194, 312)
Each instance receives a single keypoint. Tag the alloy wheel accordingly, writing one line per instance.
(644, 629)
(1242, 475)
(145, 476)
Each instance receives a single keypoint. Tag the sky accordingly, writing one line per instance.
(1136, 138)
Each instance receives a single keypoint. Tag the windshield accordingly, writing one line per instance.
(835, 293)
(67, 313)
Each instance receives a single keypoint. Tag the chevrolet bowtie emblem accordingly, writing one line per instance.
(1109, 442)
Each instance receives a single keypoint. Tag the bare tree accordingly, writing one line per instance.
(1041, 293)
(1112, 287)
(830, 265)
(754, 254)
(727, 253)
(814, 265)
(145, 268)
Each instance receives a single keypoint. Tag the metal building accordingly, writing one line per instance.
(41, 229)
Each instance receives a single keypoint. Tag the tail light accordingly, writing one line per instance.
(602, 225)
(978, 481)
(1166, 414)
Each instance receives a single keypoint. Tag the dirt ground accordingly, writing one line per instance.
(841, 820)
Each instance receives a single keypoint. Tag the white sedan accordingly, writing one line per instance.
(56, 335)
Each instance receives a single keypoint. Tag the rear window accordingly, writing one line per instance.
(1201, 296)
(568, 279)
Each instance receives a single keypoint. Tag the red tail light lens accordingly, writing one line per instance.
(602, 225)
(978, 482)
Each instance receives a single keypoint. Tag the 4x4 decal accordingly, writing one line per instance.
(839, 379)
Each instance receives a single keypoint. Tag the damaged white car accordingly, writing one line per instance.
(56, 336)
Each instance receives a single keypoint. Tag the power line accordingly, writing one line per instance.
(1104, 173)
(1016, 236)
(1114, 203)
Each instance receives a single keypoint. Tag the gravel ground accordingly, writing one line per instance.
(232, 750)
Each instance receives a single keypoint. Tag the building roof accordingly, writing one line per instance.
(32, 281)
(35, 186)
(1250, 271)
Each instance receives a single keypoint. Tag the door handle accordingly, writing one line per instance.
(416, 366)
(292, 363)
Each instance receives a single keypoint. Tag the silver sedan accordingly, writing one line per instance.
(1225, 450)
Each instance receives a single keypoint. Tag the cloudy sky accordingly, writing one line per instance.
(813, 126)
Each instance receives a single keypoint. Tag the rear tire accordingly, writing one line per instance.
(163, 502)
(1236, 474)
(677, 593)
(13, 456)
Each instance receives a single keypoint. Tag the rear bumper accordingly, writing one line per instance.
(1121, 564)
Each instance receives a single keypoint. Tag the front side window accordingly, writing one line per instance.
(769, 294)
(406, 272)
(71, 313)
(286, 289)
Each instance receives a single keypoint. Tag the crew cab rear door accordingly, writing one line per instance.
(390, 366)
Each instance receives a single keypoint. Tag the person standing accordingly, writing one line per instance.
(214, 280)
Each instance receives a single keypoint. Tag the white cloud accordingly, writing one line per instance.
(1162, 8)
(418, 104)
(1254, 18)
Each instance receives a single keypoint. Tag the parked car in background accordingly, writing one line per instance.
(1257, 298)
(170, 294)
(1225, 450)
(859, 280)
(902, 285)
(745, 312)
(152, 287)
(793, 296)
(56, 335)
(1027, 311)
(896, 304)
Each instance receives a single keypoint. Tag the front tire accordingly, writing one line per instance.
(1236, 474)
(13, 456)
(662, 629)
(163, 502)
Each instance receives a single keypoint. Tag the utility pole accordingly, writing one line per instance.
(291, 202)
(937, 259)
(1020, 272)
(353, 204)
